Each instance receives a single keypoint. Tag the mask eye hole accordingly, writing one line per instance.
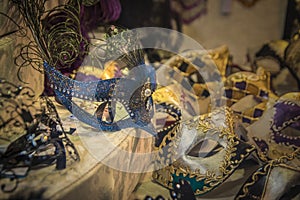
(205, 148)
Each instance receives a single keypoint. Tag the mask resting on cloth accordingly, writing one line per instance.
(248, 93)
(134, 92)
(277, 138)
(203, 151)
(199, 73)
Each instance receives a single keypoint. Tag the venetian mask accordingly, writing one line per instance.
(203, 151)
(277, 132)
(277, 138)
(247, 94)
(200, 75)
(133, 92)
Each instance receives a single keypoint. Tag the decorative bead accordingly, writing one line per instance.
(147, 92)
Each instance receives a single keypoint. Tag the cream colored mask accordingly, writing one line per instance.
(277, 138)
(204, 151)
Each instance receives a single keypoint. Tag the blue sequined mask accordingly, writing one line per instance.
(133, 92)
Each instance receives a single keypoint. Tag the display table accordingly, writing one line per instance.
(89, 178)
(112, 166)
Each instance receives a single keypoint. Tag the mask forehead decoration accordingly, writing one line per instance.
(205, 151)
(134, 91)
